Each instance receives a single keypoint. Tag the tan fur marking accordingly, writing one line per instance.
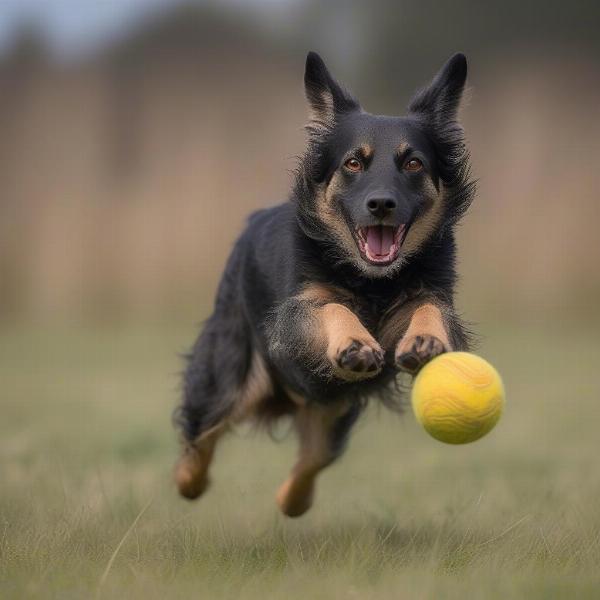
(402, 148)
(366, 150)
(296, 398)
(317, 293)
(313, 424)
(336, 327)
(191, 471)
(427, 223)
(426, 320)
(332, 218)
(257, 387)
(341, 327)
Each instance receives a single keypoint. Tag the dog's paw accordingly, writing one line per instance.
(295, 497)
(359, 360)
(413, 353)
(191, 474)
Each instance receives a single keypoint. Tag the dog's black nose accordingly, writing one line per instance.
(381, 207)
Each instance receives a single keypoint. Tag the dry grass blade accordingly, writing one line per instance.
(507, 530)
(120, 544)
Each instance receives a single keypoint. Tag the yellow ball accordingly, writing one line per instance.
(458, 397)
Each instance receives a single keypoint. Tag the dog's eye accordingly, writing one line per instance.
(353, 164)
(414, 164)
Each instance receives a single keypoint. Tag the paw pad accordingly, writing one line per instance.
(360, 358)
(420, 350)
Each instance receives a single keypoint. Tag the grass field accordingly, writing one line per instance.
(87, 509)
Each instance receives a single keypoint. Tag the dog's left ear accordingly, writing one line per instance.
(440, 100)
(325, 96)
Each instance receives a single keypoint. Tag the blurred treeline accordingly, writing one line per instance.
(125, 175)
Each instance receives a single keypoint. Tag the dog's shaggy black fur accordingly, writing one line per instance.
(321, 293)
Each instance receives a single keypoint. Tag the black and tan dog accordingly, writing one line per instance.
(327, 296)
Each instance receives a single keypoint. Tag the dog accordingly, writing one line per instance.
(327, 297)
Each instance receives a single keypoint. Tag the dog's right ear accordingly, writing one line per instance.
(325, 96)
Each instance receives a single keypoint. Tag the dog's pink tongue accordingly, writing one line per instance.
(380, 239)
(374, 239)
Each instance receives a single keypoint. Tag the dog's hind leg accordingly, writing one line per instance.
(224, 380)
(322, 432)
(191, 471)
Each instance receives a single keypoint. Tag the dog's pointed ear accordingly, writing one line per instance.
(440, 100)
(325, 96)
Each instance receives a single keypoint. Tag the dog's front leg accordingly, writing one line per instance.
(425, 338)
(351, 350)
(418, 332)
(314, 328)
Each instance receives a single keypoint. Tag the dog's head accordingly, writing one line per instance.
(374, 188)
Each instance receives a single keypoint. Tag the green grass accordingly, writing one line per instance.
(86, 444)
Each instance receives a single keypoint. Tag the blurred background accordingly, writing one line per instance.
(136, 136)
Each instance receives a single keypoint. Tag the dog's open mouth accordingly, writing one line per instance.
(380, 244)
